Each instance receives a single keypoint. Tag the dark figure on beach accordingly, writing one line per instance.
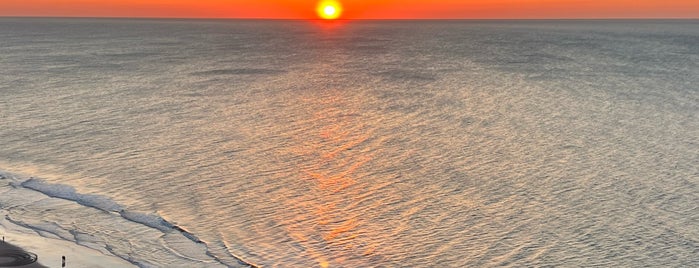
(63, 261)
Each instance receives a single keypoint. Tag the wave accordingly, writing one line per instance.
(108, 205)
(69, 193)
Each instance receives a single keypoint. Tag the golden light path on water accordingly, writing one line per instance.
(355, 144)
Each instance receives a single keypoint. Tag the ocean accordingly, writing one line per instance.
(292, 143)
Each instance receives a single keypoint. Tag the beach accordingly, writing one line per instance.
(49, 251)
(288, 143)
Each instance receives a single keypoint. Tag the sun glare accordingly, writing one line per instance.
(329, 9)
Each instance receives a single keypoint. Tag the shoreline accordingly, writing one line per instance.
(49, 250)
(89, 247)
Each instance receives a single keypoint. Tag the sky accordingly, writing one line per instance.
(356, 9)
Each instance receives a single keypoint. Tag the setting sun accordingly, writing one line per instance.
(329, 10)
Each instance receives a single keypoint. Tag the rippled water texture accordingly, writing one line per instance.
(357, 144)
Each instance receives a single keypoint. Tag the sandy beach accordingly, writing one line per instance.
(49, 251)
(50, 242)
(410, 143)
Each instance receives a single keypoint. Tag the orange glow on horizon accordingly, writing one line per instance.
(355, 9)
(329, 9)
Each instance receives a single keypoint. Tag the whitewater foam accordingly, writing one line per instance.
(68, 193)
(374, 143)
(174, 238)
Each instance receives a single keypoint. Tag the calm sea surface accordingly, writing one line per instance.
(194, 143)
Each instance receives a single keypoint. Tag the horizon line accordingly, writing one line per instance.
(353, 19)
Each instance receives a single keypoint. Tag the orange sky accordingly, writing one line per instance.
(356, 9)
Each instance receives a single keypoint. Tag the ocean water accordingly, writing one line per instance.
(212, 143)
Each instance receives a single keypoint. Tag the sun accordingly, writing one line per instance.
(329, 9)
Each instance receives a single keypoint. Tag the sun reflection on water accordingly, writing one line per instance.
(336, 149)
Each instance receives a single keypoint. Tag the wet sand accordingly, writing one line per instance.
(48, 250)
